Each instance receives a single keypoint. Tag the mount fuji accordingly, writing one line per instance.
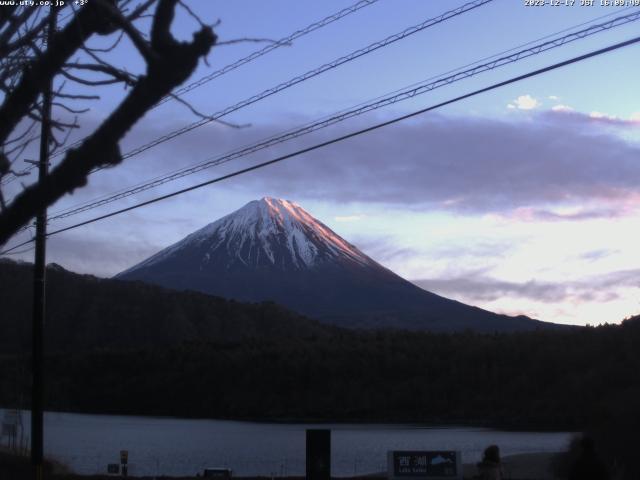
(273, 250)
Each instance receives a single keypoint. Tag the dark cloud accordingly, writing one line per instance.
(466, 165)
(477, 286)
(386, 249)
(486, 289)
(383, 249)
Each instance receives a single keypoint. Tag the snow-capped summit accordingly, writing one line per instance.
(266, 233)
(273, 249)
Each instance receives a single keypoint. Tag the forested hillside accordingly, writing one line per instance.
(541, 380)
(87, 313)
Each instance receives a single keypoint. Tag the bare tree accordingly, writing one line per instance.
(28, 63)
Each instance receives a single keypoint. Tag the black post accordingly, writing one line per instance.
(39, 278)
(318, 454)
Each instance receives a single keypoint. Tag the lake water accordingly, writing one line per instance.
(168, 446)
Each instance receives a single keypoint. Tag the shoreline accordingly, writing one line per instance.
(516, 467)
(420, 424)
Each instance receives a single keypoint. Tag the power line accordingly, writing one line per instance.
(494, 86)
(310, 74)
(19, 252)
(302, 78)
(8, 179)
(208, 163)
(285, 41)
(294, 81)
(358, 110)
(279, 43)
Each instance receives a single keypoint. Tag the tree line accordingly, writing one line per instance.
(559, 380)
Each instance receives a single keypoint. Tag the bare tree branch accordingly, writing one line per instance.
(5, 167)
(59, 144)
(14, 24)
(197, 113)
(44, 67)
(69, 109)
(193, 14)
(134, 35)
(90, 83)
(117, 74)
(22, 135)
(31, 35)
(6, 13)
(140, 10)
(170, 64)
(77, 96)
(17, 151)
(106, 49)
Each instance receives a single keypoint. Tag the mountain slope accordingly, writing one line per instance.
(273, 249)
(87, 313)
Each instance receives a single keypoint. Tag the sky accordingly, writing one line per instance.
(522, 200)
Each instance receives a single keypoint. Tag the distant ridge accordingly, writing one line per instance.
(273, 249)
(85, 313)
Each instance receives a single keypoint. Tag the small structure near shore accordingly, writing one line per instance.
(13, 430)
(220, 473)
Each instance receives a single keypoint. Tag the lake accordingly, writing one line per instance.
(174, 446)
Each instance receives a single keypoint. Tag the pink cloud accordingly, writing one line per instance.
(594, 117)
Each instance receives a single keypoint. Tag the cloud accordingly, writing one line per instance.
(386, 249)
(467, 165)
(527, 214)
(453, 164)
(633, 121)
(485, 289)
(479, 287)
(524, 102)
(383, 248)
(562, 108)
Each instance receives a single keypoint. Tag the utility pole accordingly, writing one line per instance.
(39, 279)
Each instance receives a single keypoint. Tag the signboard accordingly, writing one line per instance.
(124, 456)
(405, 465)
(113, 469)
